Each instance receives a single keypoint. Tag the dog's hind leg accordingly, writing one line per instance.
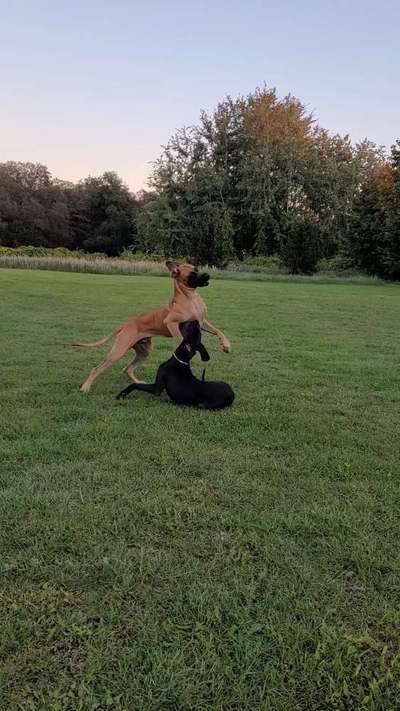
(153, 388)
(142, 350)
(121, 345)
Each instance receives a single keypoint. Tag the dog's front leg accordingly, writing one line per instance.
(173, 328)
(209, 328)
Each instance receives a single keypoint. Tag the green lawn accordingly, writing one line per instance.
(162, 558)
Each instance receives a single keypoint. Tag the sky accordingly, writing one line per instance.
(100, 85)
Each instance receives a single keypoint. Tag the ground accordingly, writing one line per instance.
(162, 558)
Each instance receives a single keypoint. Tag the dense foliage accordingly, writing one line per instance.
(375, 235)
(257, 177)
(96, 215)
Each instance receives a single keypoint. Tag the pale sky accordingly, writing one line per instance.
(91, 86)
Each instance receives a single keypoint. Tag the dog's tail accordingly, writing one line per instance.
(94, 344)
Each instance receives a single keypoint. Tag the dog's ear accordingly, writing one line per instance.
(173, 268)
(204, 354)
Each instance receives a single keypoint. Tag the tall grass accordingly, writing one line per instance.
(107, 265)
(97, 265)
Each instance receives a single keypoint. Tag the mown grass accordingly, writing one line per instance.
(160, 558)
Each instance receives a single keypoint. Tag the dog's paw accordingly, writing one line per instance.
(226, 347)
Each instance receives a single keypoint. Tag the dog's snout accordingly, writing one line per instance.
(203, 279)
(196, 280)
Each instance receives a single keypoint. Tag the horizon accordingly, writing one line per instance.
(99, 88)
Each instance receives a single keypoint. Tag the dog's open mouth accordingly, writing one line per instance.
(195, 280)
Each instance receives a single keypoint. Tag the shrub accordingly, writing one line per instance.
(339, 264)
(141, 256)
(258, 265)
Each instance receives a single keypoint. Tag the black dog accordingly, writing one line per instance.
(176, 377)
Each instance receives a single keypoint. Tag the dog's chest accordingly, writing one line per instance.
(198, 308)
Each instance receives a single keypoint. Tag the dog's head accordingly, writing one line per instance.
(188, 274)
(191, 343)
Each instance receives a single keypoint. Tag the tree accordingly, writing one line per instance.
(300, 247)
(107, 216)
(374, 242)
(98, 214)
(249, 176)
(32, 207)
(192, 222)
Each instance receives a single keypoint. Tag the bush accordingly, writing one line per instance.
(258, 265)
(339, 264)
(141, 256)
(273, 263)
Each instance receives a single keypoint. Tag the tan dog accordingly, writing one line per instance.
(137, 332)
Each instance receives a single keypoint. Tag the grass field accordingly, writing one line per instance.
(160, 558)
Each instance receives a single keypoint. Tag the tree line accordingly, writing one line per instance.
(95, 215)
(256, 177)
